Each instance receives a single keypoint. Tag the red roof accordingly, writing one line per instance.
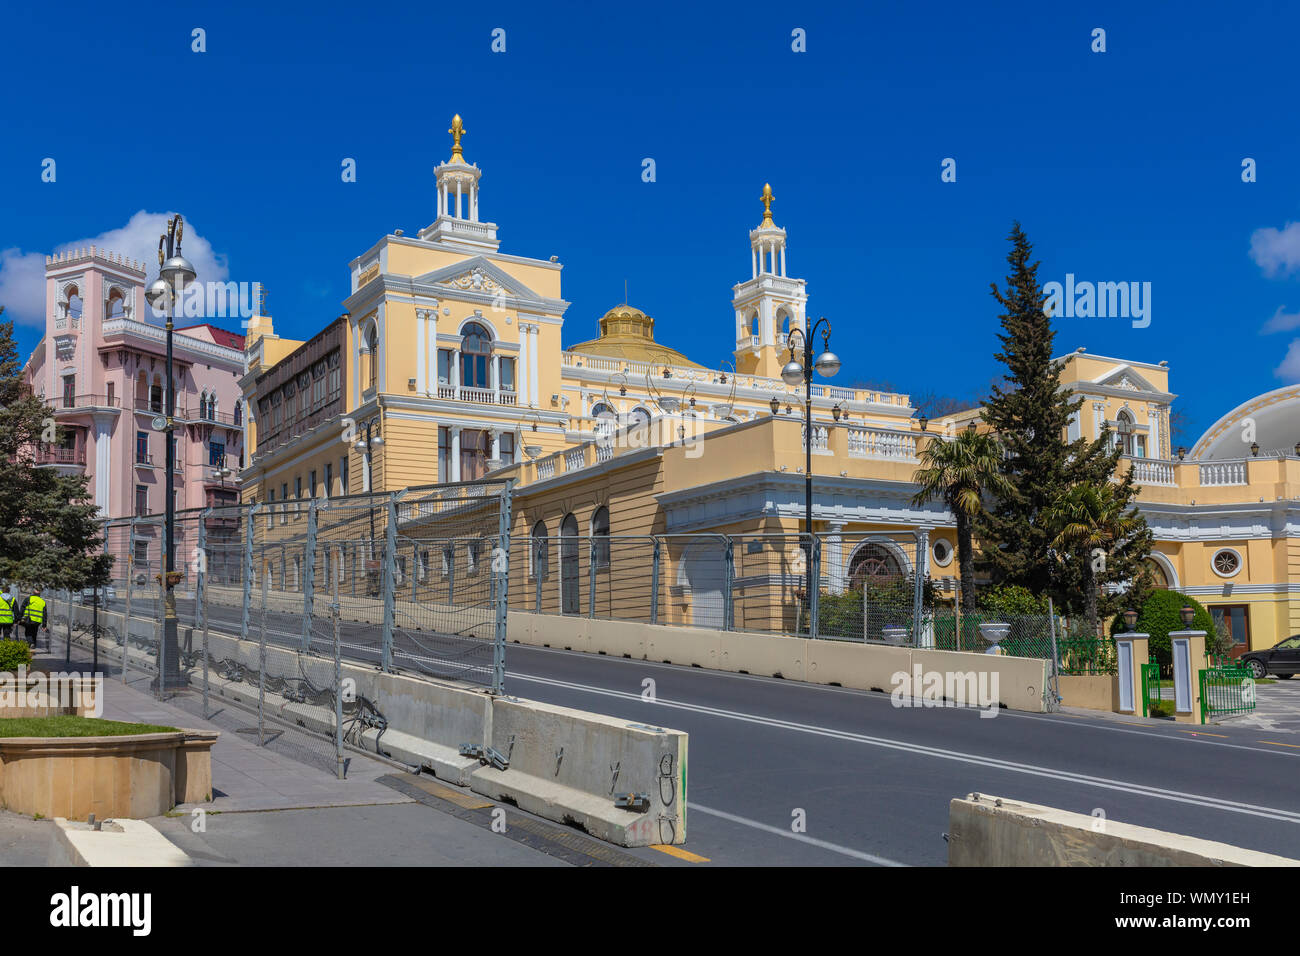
(231, 340)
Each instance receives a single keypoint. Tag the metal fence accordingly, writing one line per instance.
(270, 598)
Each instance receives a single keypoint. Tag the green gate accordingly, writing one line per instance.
(1226, 690)
(1151, 706)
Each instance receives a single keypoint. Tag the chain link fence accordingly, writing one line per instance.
(270, 599)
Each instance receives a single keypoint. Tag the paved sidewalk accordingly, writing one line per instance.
(272, 810)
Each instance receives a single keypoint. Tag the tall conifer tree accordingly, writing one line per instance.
(1030, 414)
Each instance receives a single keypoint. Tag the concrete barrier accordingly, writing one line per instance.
(563, 764)
(1021, 680)
(570, 766)
(118, 843)
(995, 831)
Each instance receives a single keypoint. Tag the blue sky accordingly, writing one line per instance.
(1122, 166)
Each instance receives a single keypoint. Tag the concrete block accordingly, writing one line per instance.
(996, 831)
(569, 766)
(119, 843)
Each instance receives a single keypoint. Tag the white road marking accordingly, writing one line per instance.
(992, 763)
(791, 835)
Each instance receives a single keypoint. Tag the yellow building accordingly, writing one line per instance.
(448, 366)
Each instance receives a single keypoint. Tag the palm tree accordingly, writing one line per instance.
(1085, 519)
(961, 472)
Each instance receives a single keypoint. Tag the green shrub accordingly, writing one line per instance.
(1012, 599)
(15, 654)
(1161, 614)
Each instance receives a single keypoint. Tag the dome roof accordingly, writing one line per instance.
(628, 333)
(1275, 417)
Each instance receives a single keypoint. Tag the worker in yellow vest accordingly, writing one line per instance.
(6, 616)
(33, 615)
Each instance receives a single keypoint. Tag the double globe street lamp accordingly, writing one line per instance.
(175, 273)
(795, 374)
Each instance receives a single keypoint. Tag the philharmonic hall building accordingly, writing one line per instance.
(451, 362)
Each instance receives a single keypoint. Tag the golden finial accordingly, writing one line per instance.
(457, 131)
(767, 198)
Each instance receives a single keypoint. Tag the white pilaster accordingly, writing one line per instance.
(455, 454)
(421, 373)
(835, 557)
(532, 359)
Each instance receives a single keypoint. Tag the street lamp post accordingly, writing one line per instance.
(175, 273)
(794, 374)
(365, 446)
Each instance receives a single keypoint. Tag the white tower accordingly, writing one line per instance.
(770, 304)
(458, 224)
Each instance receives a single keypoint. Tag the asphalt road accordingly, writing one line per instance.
(872, 781)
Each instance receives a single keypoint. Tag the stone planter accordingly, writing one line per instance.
(993, 635)
(132, 776)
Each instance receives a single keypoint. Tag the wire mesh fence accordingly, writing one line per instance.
(268, 600)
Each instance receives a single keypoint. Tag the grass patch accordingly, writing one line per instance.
(1161, 708)
(68, 725)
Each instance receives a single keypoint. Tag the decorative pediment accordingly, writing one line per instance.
(1126, 377)
(478, 275)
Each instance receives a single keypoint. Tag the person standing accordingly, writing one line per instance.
(6, 614)
(33, 615)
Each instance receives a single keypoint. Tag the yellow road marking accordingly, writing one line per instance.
(1276, 743)
(678, 852)
(466, 801)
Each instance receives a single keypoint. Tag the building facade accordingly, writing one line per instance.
(102, 366)
(450, 366)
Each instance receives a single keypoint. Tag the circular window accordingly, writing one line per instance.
(1226, 563)
(941, 550)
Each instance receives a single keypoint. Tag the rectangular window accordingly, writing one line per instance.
(343, 474)
(270, 511)
(507, 374)
(1235, 619)
(141, 558)
(112, 394)
(297, 493)
(142, 448)
(329, 479)
(335, 376)
(311, 485)
(506, 447)
(70, 391)
(217, 454)
(141, 499)
(444, 367)
(444, 454)
(284, 506)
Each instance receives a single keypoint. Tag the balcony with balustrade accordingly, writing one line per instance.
(1274, 477)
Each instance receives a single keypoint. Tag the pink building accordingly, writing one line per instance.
(102, 366)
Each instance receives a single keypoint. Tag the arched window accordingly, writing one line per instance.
(475, 354)
(600, 537)
(606, 419)
(115, 308)
(638, 417)
(239, 412)
(569, 581)
(1126, 436)
(1158, 577)
(372, 351)
(537, 553)
(874, 562)
(74, 302)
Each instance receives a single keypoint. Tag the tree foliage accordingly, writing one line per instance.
(1031, 414)
(48, 533)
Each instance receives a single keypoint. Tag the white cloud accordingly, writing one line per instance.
(1276, 251)
(22, 274)
(1289, 370)
(1282, 321)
